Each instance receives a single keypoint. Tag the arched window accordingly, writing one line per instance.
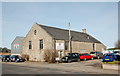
(30, 44)
(35, 32)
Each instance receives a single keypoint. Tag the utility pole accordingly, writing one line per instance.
(70, 47)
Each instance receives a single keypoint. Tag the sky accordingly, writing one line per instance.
(0, 24)
(99, 18)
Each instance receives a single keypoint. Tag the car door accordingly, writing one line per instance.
(114, 56)
(86, 56)
(73, 57)
(76, 57)
(82, 56)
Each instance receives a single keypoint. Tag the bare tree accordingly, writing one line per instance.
(25, 56)
(50, 56)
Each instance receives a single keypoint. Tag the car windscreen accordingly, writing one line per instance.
(15, 56)
(86, 54)
(80, 54)
(116, 51)
(6, 56)
(107, 54)
(68, 54)
(92, 52)
(72, 54)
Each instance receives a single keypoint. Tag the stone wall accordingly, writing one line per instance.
(83, 47)
(37, 54)
(99, 47)
(87, 47)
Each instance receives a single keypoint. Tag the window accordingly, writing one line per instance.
(41, 44)
(66, 45)
(35, 32)
(30, 44)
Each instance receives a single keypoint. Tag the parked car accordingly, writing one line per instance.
(118, 57)
(116, 52)
(96, 54)
(71, 57)
(85, 56)
(5, 58)
(16, 58)
(1, 57)
(109, 57)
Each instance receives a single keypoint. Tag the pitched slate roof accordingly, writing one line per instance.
(62, 34)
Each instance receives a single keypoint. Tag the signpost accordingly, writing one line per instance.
(60, 47)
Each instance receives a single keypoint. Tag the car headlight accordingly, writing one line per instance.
(17, 59)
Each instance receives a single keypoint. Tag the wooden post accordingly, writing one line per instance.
(70, 46)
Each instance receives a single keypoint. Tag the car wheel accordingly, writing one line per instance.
(92, 58)
(9, 60)
(3, 60)
(85, 59)
(113, 60)
(98, 57)
(6, 60)
(58, 61)
(16, 61)
(78, 60)
(69, 61)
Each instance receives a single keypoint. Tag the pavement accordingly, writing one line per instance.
(82, 67)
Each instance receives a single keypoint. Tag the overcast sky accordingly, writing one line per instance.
(99, 18)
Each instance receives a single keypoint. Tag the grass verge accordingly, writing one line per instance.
(115, 62)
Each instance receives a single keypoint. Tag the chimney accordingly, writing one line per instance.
(84, 30)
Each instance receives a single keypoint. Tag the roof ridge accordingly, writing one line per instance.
(20, 36)
(61, 28)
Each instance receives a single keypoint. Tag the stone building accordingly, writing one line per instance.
(17, 45)
(41, 38)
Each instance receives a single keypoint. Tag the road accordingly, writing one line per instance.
(82, 67)
(15, 69)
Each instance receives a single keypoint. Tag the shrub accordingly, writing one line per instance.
(50, 56)
(25, 56)
(115, 62)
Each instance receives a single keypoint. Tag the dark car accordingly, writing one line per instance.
(109, 57)
(16, 58)
(117, 53)
(1, 57)
(71, 57)
(85, 56)
(5, 58)
(96, 54)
